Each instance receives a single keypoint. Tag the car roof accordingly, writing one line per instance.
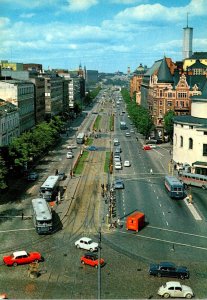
(167, 264)
(85, 239)
(173, 283)
(18, 253)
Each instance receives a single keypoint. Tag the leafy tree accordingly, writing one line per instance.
(3, 172)
(168, 123)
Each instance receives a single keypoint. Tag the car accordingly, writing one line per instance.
(61, 175)
(86, 244)
(91, 259)
(127, 134)
(132, 130)
(71, 146)
(146, 147)
(168, 269)
(152, 146)
(118, 150)
(92, 148)
(175, 290)
(151, 141)
(117, 159)
(127, 163)
(3, 296)
(32, 176)
(116, 142)
(118, 165)
(119, 184)
(21, 257)
(70, 154)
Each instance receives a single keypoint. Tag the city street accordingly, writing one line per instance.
(171, 233)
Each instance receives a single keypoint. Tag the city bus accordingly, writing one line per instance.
(80, 138)
(49, 189)
(123, 125)
(175, 187)
(42, 216)
(193, 179)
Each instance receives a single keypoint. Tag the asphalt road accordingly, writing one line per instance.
(171, 234)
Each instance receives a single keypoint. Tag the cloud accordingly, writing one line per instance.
(80, 5)
(126, 1)
(27, 16)
(4, 22)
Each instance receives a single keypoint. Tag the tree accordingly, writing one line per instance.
(168, 123)
(3, 172)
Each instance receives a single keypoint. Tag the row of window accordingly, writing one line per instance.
(190, 144)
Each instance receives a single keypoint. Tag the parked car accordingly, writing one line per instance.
(86, 244)
(168, 269)
(175, 290)
(61, 175)
(132, 130)
(151, 141)
(71, 146)
(127, 163)
(118, 165)
(127, 134)
(70, 154)
(119, 184)
(92, 148)
(21, 257)
(91, 259)
(32, 176)
(146, 147)
(152, 146)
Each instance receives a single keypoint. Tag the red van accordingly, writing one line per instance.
(135, 221)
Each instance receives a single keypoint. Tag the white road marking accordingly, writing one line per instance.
(176, 231)
(163, 213)
(15, 230)
(167, 223)
(158, 152)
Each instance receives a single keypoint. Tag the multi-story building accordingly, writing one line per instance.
(5, 64)
(39, 89)
(135, 82)
(21, 94)
(201, 56)
(190, 135)
(32, 67)
(9, 123)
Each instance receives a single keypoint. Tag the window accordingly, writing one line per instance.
(169, 103)
(190, 143)
(205, 132)
(204, 149)
(190, 127)
(161, 103)
(181, 141)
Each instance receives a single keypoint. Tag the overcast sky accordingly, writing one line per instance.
(105, 35)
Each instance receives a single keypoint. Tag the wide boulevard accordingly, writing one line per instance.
(174, 231)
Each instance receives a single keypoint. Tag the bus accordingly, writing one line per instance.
(175, 187)
(49, 189)
(80, 138)
(42, 216)
(193, 179)
(123, 125)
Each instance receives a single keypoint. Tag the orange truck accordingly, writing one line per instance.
(135, 221)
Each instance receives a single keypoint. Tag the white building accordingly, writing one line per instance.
(21, 94)
(9, 123)
(190, 135)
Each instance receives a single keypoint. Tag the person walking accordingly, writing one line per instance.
(151, 172)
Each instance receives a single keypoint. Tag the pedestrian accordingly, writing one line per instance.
(22, 215)
(56, 199)
(71, 173)
(151, 171)
(56, 172)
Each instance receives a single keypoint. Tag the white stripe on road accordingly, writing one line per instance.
(15, 230)
(176, 231)
(159, 152)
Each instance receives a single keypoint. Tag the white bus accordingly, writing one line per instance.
(193, 179)
(80, 138)
(49, 189)
(42, 216)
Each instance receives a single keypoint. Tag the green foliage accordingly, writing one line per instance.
(3, 172)
(168, 123)
(139, 115)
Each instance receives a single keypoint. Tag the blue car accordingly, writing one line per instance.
(92, 148)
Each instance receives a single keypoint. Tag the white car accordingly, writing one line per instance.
(175, 290)
(118, 165)
(127, 134)
(127, 163)
(70, 155)
(72, 146)
(86, 244)
(132, 130)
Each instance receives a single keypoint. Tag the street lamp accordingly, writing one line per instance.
(99, 265)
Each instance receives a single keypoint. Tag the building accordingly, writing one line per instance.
(39, 90)
(135, 82)
(91, 77)
(196, 56)
(21, 94)
(9, 123)
(187, 42)
(190, 135)
(5, 64)
(33, 67)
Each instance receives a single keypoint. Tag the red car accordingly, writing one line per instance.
(146, 147)
(91, 259)
(22, 257)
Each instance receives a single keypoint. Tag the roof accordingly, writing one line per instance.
(197, 65)
(199, 55)
(173, 283)
(203, 96)
(190, 120)
(164, 74)
(200, 163)
(18, 253)
(154, 68)
(85, 238)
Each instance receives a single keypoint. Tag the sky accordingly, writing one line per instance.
(103, 35)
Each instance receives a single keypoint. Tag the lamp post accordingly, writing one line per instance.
(99, 265)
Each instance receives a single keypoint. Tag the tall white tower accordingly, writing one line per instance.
(187, 41)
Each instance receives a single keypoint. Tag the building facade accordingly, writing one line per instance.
(21, 94)
(135, 83)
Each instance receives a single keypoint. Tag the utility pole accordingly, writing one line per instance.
(99, 265)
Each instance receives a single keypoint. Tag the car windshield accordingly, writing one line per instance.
(90, 242)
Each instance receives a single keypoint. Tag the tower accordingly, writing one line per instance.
(187, 40)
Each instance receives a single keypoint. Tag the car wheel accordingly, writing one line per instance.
(166, 295)
(182, 277)
(159, 275)
(83, 263)
(188, 296)
(15, 264)
(78, 246)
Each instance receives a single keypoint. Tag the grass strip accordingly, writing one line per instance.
(107, 161)
(80, 164)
